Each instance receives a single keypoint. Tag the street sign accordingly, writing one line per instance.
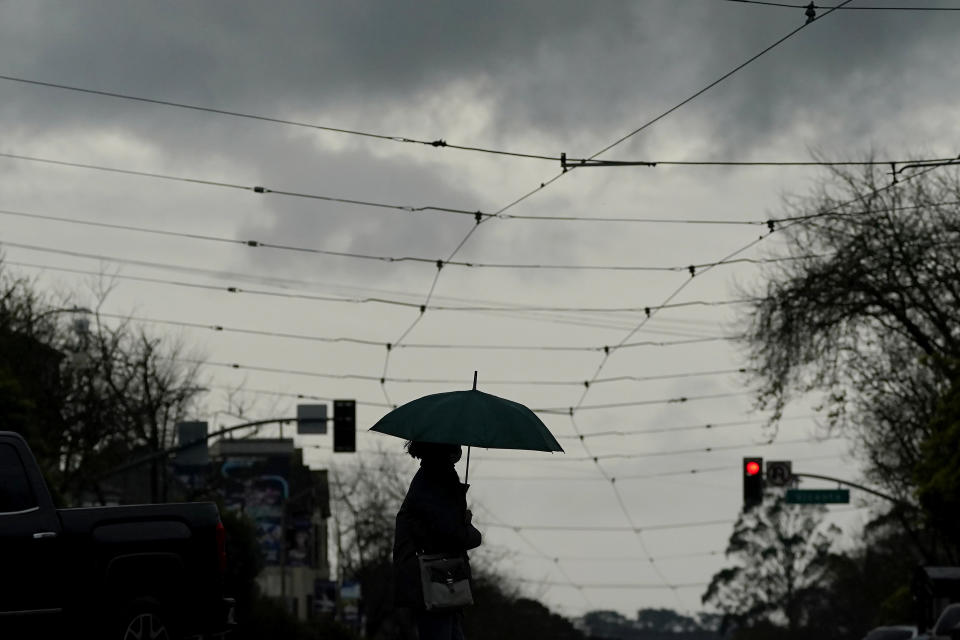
(197, 455)
(818, 496)
(324, 596)
(779, 472)
(311, 419)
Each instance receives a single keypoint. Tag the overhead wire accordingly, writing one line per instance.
(640, 476)
(476, 214)
(286, 283)
(672, 452)
(532, 545)
(669, 299)
(493, 382)
(617, 585)
(322, 298)
(380, 344)
(612, 528)
(398, 380)
(692, 427)
(620, 529)
(556, 559)
(436, 143)
(299, 396)
(767, 221)
(637, 403)
(845, 8)
(522, 313)
(468, 235)
(649, 123)
(434, 284)
(719, 80)
(602, 559)
(391, 259)
(480, 218)
(479, 215)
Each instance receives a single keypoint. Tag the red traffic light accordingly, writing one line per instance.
(752, 482)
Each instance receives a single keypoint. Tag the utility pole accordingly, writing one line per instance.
(284, 547)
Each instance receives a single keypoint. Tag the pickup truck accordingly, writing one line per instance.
(118, 573)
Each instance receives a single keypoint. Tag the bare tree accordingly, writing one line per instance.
(98, 392)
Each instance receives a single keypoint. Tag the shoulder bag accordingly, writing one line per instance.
(446, 580)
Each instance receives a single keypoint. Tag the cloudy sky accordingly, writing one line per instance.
(539, 78)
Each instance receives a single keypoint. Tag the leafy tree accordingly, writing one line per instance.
(781, 552)
(607, 624)
(501, 615)
(651, 624)
(863, 311)
(937, 474)
(867, 586)
(666, 620)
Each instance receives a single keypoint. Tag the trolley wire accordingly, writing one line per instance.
(323, 298)
(395, 259)
(673, 452)
(845, 8)
(543, 185)
(446, 346)
(692, 427)
(519, 312)
(640, 476)
(479, 215)
(451, 381)
(436, 143)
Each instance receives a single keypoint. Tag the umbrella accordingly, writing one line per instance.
(470, 418)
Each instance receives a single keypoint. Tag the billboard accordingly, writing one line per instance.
(257, 487)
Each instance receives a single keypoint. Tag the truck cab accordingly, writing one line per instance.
(117, 572)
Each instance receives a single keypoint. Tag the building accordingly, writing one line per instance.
(289, 503)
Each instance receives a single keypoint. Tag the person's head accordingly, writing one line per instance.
(434, 451)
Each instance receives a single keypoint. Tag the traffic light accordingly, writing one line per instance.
(344, 425)
(752, 482)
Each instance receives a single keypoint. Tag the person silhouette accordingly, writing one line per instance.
(432, 519)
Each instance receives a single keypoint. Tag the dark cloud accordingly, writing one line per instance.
(572, 72)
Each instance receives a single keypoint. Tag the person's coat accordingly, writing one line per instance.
(432, 519)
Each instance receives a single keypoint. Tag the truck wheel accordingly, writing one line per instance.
(144, 620)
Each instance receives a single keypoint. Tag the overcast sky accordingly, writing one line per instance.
(532, 77)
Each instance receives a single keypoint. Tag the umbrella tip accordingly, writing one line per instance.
(474, 380)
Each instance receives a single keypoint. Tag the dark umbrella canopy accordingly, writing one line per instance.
(469, 418)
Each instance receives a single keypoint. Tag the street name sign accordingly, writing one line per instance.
(818, 496)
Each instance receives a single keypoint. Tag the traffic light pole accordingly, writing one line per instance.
(879, 494)
(172, 450)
